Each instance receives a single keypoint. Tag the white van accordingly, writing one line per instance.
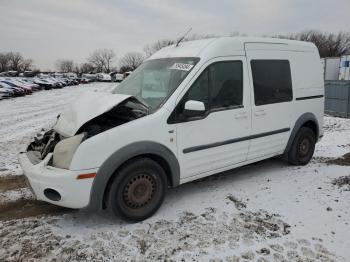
(103, 77)
(187, 112)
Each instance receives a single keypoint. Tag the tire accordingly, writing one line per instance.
(138, 190)
(303, 147)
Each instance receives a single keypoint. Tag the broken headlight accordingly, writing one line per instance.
(64, 151)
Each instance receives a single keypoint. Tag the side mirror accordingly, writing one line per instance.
(194, 108)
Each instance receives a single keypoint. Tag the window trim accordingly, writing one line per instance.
(172, 119)
(291, 81)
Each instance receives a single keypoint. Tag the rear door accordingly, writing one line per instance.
(272, 101)
(213, 142)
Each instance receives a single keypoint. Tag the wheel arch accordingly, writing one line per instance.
(305, 120)
(153, 150)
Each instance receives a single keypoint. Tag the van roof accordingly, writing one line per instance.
(226, 46)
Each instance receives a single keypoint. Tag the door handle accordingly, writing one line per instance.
(241, 116)
(260, 113)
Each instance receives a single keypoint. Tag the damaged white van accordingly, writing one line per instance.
(189, 111)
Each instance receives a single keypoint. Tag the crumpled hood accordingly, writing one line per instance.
(87, 107)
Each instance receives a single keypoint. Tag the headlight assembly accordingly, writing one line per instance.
(64, 151)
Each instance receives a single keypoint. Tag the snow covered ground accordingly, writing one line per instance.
(268, 211)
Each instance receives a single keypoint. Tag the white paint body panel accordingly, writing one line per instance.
(218, 126)
(87, 107)
(75, 193)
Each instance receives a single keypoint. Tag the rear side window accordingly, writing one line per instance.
(272, 81)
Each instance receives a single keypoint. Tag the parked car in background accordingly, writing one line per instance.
(90, 77)
(71, 81)
(43, 83)
(29, 74)
(71, 75)
(12, 86)
(16, 91)
(27, 90)
(83, 80)
(101, 77)
(59, 83)
(19, 81)
(116, 77)
(6, 92)
(53, 82)
(30, 81)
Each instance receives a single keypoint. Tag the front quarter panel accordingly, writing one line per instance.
(109, 150)
(93, 152)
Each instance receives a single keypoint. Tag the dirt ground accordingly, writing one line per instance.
(23, 208)
(11, 183)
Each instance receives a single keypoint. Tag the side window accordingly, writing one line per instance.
(272, 81)
(219, 86)
(200, 89)
(226, 84)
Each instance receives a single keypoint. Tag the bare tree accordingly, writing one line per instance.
(86, 68)
(26, 65)
(156, 46)
(65, 65)
(131, 60)
(152, 48)
(102, 59)
(76, 69)
(195, 36)
(328, 44)
(4, 62)
(15, 61)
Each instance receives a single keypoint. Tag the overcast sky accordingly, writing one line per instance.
(47, 30)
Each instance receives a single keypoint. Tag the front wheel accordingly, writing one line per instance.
(303, 147)
(138, 190)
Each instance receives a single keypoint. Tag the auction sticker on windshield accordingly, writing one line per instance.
(181, 66)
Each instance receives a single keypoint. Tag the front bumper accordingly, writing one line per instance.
(74, 193)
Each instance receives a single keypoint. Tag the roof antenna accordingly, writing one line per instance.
(182, 38)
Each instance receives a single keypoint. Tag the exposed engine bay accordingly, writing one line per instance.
(129, 110)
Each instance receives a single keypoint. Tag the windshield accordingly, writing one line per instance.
(155, 80)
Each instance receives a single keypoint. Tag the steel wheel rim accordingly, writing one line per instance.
(304, 147)
(139, 191)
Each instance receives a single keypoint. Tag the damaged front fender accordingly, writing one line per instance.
(90, 115)
(87, 107)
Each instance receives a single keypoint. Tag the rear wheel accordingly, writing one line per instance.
(138, 190)
(303, 147)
